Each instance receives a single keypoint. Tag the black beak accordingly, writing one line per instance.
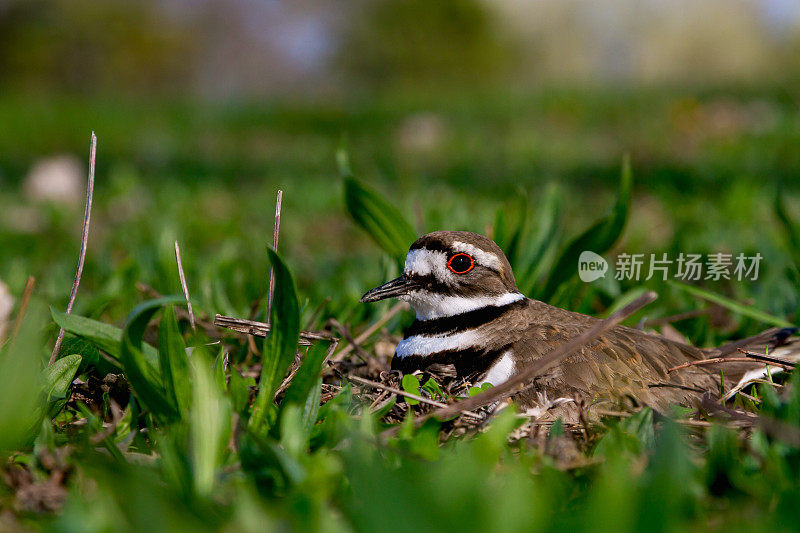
(390, 289)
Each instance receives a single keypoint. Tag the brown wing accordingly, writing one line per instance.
(624, 364)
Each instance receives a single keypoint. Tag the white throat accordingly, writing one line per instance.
(430, 305)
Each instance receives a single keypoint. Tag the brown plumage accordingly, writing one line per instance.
(472, 316)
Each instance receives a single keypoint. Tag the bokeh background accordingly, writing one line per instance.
(449, 108)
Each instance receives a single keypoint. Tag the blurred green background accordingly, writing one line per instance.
(450, 108)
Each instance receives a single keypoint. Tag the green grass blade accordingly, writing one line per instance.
(410, 384)
(56, 380)
(623, 300)
(281, 344)
(104, 336)
(90, 355)
(57, 377)
(173, 361)
(547, 232)
(791, 228)
(731, 305)
(210, 425)
(144, 379)
(381, 220)
(20, 392)
(510, 227)
(219, 370)
(304, 390)
(599, 238)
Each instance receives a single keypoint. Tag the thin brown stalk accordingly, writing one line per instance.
(276, 229)
(422, 399)
(522, 380)
(23, 306)
(772, 427)
(252, 348)
(379, 400)
(109, 427)
(285, 383)
(768, 359)
(87, 214)
(717, 360)
(345, 333)
(185, 288)
(367, 333)
(210, 329)
(608, 412)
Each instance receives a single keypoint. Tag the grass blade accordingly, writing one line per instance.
(304, 390)
(731, 305)
(281, 344)
(104, 336)
(57, 377)
(211, 425)
(20, 393)
(145, 381)
(510, 229)
(380, 219)
(790, 227)
(173, 361)
(56, 380)
(599, 238)
(545, 241)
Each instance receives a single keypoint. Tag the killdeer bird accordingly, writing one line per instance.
(470, 314)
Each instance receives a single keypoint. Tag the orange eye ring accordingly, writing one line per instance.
(457, 265)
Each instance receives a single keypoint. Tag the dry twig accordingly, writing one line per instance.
(768, 359)
(210, 329)
(87, 214)
(23, 306)
(344, 332)
(288, 379)
(184, 286)
(775, 428)
(422, 399)
(261, 329)
(275, 232)
(787, 365)
(367, 333)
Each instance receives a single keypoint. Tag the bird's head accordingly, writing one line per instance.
(451, 272)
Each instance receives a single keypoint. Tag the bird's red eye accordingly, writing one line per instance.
(460, 263)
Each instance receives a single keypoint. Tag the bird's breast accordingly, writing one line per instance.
(475, 342)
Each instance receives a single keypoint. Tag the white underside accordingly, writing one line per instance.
(543, 404)
(764, 372)
(430, 305)
(500, 371)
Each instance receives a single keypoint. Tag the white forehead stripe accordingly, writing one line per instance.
(429, 305)
(424, 262)
(482, 257)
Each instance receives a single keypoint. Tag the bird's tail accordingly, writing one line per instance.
(773, 351)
